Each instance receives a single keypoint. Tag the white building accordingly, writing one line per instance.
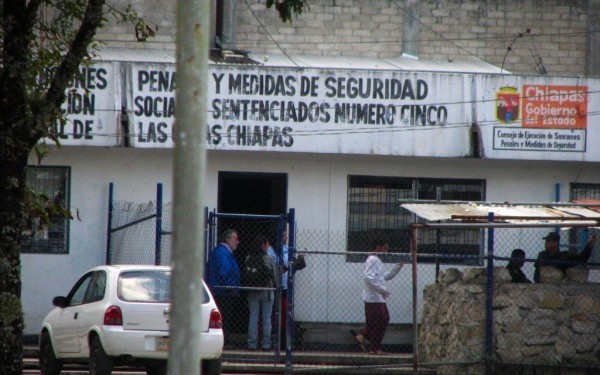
(319, 135)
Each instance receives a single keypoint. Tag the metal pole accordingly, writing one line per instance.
(189, 170)
(413, 252)
(290, 332)
(110, 216)
(489, 302)
(206, 243)
(158, 228)
(278, 289)
(438, 197)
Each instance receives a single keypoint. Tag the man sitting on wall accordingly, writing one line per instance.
(562, 260)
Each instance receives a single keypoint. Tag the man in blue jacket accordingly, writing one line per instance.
(224, 278)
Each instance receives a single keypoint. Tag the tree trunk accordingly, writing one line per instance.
(12, 178)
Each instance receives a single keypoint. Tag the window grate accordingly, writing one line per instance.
(374, 209)
(54, 182)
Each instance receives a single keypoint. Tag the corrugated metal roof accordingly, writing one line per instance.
(594, 204)
(510, 213)
(468, 65)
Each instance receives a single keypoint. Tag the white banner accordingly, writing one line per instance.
(152, 105)
(92, 108)
(312, 110)
(258, 108)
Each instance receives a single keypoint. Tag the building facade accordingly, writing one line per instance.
(327, 116)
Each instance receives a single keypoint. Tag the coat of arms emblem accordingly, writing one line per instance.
(507, 105)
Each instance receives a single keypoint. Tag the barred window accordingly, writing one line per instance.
(374, 209)
(55, 183)
(585, 191)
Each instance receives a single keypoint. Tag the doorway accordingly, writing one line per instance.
(252, 193)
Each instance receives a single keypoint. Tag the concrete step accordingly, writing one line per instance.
(304, 362)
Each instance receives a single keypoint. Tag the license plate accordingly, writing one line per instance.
(162, 344)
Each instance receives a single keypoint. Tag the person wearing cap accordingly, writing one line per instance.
(562, 260)
(517, 259)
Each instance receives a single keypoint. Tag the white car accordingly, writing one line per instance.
(119, 315)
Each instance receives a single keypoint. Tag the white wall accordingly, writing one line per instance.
(135, 174)
(317, 185)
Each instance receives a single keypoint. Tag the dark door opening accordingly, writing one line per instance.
(255, 194)
(252, 193)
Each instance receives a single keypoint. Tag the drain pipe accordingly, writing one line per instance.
(226, 25)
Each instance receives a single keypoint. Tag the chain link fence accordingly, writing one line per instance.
(486, 319)
(139, 233)
(233, 301)
(325, 297)
(468, 321)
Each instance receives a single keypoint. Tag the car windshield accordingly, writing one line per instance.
(144, 286)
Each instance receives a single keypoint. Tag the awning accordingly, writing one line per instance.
(559, 213)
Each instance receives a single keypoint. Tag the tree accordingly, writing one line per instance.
(43, 44)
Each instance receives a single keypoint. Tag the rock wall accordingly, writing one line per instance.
(539, 328)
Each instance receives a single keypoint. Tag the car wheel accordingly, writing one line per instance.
(100, 363)
(49, 364)
(211, 367)
(156, 370)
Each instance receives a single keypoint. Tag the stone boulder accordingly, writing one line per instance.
(576, 275)
(551, 275)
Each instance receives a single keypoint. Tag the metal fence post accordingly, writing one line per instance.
(210, 241)
(413, 253)
(206, 242)
(489, 319)
(110, 217)
(158, 231)
(290, 334)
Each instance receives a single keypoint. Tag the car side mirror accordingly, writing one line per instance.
(59, 301)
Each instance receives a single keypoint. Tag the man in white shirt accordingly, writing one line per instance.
(375, 294)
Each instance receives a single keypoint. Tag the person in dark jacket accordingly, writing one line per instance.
(562, 260)
(517, 259)
(224, 279)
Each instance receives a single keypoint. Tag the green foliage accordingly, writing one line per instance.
(40, 209)
(286, 8)
(10, 308)
(43, 44)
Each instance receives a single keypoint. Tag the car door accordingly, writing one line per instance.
(91, 311)
(64, 327)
